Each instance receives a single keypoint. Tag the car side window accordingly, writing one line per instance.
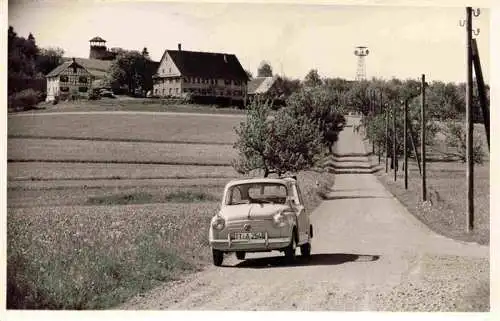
(299, 194)
(236, 197)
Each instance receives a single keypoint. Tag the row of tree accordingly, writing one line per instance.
(444, 100)
(27, 63)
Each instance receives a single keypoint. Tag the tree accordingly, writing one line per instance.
(457, 140)
(265, 70)
(312, 79)
(130, 69)
(319, 106)
(279, 144)
(48, 59)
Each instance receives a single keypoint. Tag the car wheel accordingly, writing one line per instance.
(218, 257)
(305, 250)
(291, 249)
(240, 255)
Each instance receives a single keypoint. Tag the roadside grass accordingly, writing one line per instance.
(95, 257)
(445, 211)
(168, 127)
(118, 152)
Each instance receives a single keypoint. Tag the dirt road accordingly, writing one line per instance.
(369, 253)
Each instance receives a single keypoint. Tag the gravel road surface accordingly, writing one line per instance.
(368, 254)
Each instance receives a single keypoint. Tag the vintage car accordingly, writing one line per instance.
(261, 215)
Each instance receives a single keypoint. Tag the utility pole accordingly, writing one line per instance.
(405, 145)
(386, 139)
(481, 90)
(394, 141)
(469, 125)
(422, 139)
(379, 142)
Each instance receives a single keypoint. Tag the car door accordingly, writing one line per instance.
(302, 216)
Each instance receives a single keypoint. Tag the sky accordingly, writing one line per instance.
(404, 41)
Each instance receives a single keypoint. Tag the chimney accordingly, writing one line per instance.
(74, 65)
(179, 46)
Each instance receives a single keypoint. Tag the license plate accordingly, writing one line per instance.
(248, 236)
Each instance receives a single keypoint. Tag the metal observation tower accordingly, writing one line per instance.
(361, 52)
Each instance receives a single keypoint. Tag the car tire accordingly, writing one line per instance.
(240, 255)
(291, 249)
(218, 257)
(305, 250)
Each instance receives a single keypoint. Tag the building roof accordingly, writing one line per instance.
(98, 68)
(63, 67)
(260, 85)
(97, 39)
(207, 64)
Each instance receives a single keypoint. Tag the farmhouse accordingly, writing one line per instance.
(73, 78)
(200, 74)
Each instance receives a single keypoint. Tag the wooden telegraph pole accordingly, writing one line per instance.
(405, 145)
(379, 142)
(386, 139)
(469, 125)
(422, 140)
(481, 90)
(394, 141)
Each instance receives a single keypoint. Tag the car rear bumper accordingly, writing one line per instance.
(250, 245)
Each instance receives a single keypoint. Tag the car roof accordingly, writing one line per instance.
(283, 180)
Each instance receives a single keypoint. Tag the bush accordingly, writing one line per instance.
(457, 139)
(26, 99)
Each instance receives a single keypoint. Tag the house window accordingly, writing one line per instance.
(203, 91)
(186, 79)
(64, 78)
(227, 82)
(169, 70)
(64, 88)
(82, 79)
(177, 80)
(169, 91)
(82, 89)
(185, 90)
(176, 90)
(163, 91)
(156, 91)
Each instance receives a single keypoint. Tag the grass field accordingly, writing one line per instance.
(157, 128)
(85, 235)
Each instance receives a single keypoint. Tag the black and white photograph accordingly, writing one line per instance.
(248, 156)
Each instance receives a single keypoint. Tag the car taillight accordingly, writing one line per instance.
(218, 223)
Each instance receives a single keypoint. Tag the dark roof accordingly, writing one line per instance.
(208, 64)
(97, 39)
(96, 67)
(63, 67)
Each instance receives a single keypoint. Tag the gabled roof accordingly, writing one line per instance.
(62, 67)
(98, 68)
(207, 64)
(260, 85)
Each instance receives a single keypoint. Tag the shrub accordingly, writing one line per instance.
(26, 99)
(457, 139)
